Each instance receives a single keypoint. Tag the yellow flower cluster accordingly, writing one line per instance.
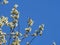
(5, 2)
(16, 42)
(2, 37)
(3, 20)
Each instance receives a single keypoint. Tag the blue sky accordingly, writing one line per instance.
(41, 11)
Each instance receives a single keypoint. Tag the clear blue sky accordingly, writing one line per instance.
(41, 11)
